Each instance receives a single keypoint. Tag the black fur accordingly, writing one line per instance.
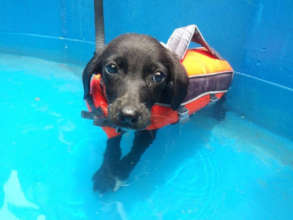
(137, 72)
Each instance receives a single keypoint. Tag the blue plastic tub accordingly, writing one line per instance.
(239, 168)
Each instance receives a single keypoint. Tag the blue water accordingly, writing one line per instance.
(204, 169)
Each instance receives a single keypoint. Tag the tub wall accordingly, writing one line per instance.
(255, 36)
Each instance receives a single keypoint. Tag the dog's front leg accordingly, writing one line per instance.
(104, 179)
(142, 140)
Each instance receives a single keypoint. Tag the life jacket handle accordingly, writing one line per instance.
(181, 38)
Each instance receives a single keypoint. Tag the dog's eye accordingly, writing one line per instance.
(158, 77)
(111, 68)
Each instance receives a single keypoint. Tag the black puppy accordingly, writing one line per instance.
(137, 72)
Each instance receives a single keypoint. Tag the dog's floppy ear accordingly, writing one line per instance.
(178, 84)
(93, 67)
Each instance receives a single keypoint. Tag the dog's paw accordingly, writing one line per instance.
(103, 181)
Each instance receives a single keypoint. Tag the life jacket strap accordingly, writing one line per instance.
(95, 114)
(183, 114)
(88, 115)
(213, 98)
(98, 118)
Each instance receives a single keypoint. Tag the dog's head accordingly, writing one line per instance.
(137, 72)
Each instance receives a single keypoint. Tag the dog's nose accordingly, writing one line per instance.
(128, 115)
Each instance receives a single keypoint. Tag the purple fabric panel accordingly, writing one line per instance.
(208, 83)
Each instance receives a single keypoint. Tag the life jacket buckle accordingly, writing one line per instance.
(213, 98)
(183, 114)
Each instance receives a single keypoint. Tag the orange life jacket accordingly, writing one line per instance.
(209, 80)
